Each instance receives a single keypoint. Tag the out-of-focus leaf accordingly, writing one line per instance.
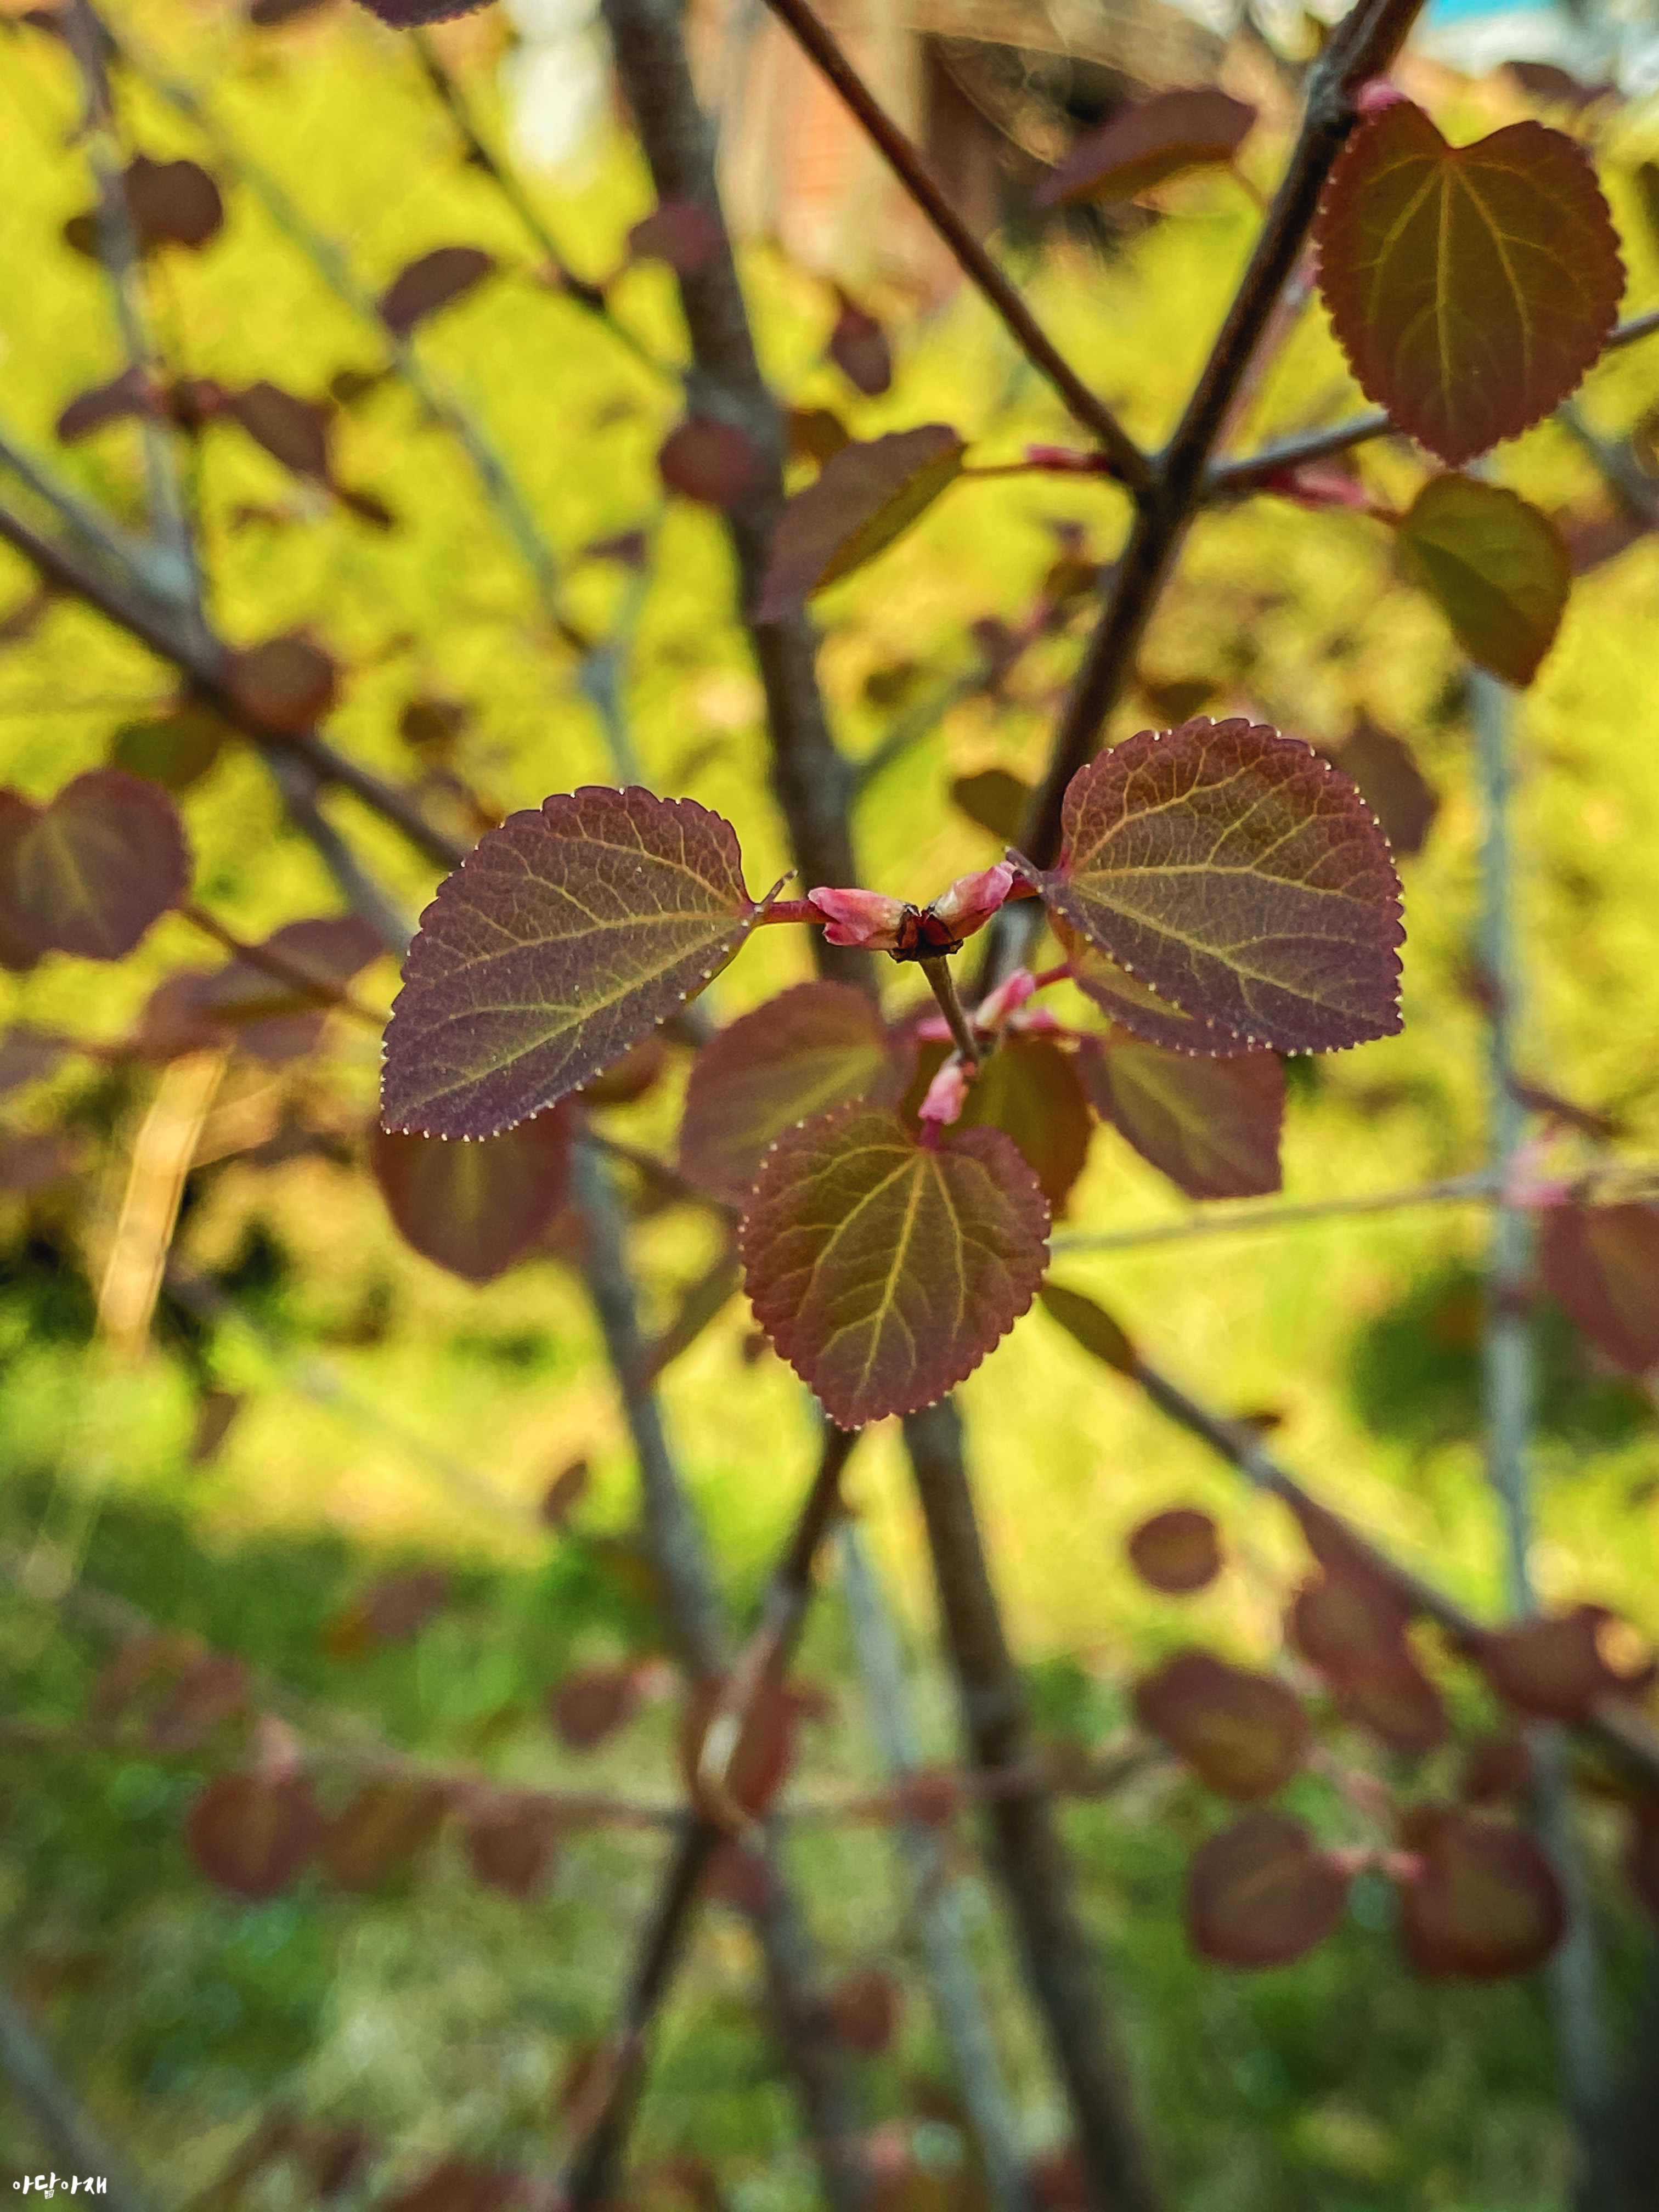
(254, 1834)
(1494, 565)
(285, 684)
(1555, 1667)
(564, 1493)
(1261, 1892)
(1244, 1733)
(1471, 287)
(857, 346)
(209, 1692)
(1162, 137)
(1030, 1089)
(292, 430)
(1485, 1903)
(396, 1607)
(884, 1272)
(433, 279)
(812, 1048)
(120, 399)
(864, 2009)
(1211, 1126)
(1091, 1327)
(1391, 783)
(760, 1762)
(1602, 1263)
(1239, 876)
(1352, 1625)
(1176, 1551)
(388, 1822)
(565, 937)
(175, 749)
(995, 800)
(816, 434)
(169, 203)
(864, 496)
(679, 232)
(475, 1207)
(32, 1160)
(511, 1841)
(708, 460)
(629, 1078)
(90, 873)
(593, 1704)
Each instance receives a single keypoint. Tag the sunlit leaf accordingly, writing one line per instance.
(1176, 1551)
(1471, 287)
(1555, 1667)
(864, 496)
(564, 938)
(817, 1046)
(475, 1207)
(1162, 138)
(884, 1272)
(1211, 1126)
(386, 1823)
(292, 430)
(89, 872)
(433, 279)
(995, 800)
(1237, 875)
(1495, 567)
(1261, 1892)
(252, 1834)
(1244, 1733)
(1090, 1326)
(1602, 1263)
(175, 749)
(1485, 1902)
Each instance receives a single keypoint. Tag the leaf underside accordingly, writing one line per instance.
(1471, 287)
(1496, 568)
(1146, 145)
(475, 1209)
(563, 938)
(1211, 1126)
(1235, 874)
(884, 1273)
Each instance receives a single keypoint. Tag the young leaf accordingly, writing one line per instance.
(1162, 138)
(1244, 1733)
(117, 401)
(563, 938)
(1471, 287)
(389, 1820)
(1397, 1702)
(1090, 1326)
(708, 460)
(89, 872)
(1178, 1551)
(1239, 876)
(1602, 1263)
(432, 280)
(817, 1046)
(1495, 567)
(884, 1272)
(857, 346)
(1391, 784)
(292, 430)
(252, 1833)
(1211, 1126)
(1485, 1902)
(510, 1841)
(1261, 1892)
(864, 496)
(593, 1704)
(1030, 1089)
(1553, 1667)
(475, 1208)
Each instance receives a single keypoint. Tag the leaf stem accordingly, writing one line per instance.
(969, 1048)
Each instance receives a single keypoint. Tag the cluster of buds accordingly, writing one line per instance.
(1006, 1007)
(875, 923)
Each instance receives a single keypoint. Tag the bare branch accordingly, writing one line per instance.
(55, 2111)
(817, 40)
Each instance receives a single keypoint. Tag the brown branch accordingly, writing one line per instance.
(816, 38)
(284, 967)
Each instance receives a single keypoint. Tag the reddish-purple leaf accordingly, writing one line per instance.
(857, 346)
(1030, 1090)
(117, 401)
(1090, 1326)
(994, 798)
(1162, 138)
(433, 280)
(1129, 1003)
(175, 749)
(629, 1078)
(1471, 287)
(1348, 1623)
(216, 1416)
(270, 1018)
(679, 232)
(1244, 1733)
(1391, 783)
(884, 1272)
(292, 430)
(708, 460)
(253, 1834)
(1211, 1126)
(284, 684)
(1238, 876)
(1485, 1902)
(1494, 565)
(27, 1056)
(475, 1207)
(816, 434)
(593, 1704)
(1176, 1551)
(169, 203)
(511, 1841)
(758, 1765)
(1555, 1667)
(1261, 1892)
(1396, 1701)
(565, 937)
(89, 872)
(817, 1046)
(388, 1822)
(864, 496)
(1602, 1263)
(864, 2009)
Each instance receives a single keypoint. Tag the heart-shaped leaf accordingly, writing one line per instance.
(1176, 1551)
(812, 1048)
(1602, 1263)
(864, 496)
(885, 1272)
(1261, 1892)
(1239, 876)
(475, 1208)
(1471, 287)
(433, 281)
(90, 873)
(1244, 1733)
(1495, 567)
(563, 938)
(1162, 138)
(1211, 1126)
(1485, 1902)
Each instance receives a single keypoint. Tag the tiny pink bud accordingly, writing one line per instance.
(947, 1094)
(932, 1029)
(971, 901)
(1376, 95)
(866, 919)
(994, 1011)
(1319, 488)
(1065, 460)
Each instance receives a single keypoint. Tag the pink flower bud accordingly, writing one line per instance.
(866, 919)
(932, 1029)
(971, 901)
(947, 1094)
(1375, 94)
(994, 1011)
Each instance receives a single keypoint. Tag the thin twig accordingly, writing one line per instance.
(56, 2113)
(285, 967)
(1250, 1214)
(907, 164)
